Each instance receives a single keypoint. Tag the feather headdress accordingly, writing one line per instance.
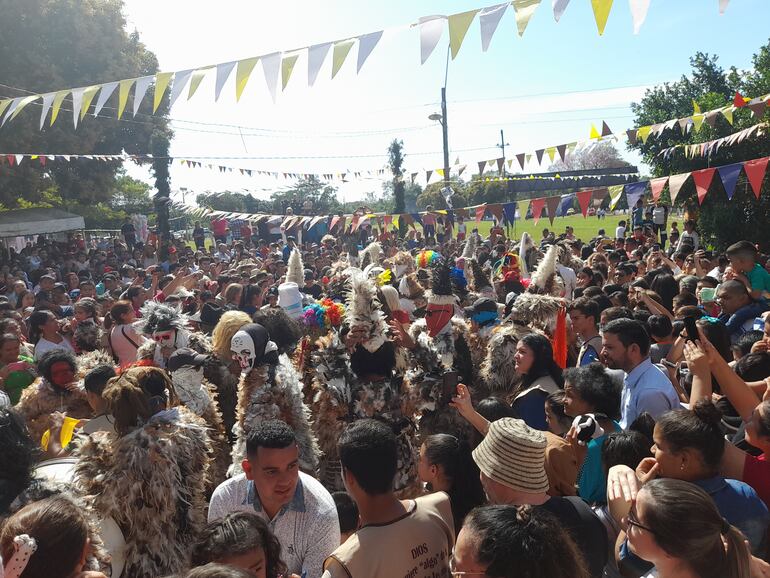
(441, 288)
(469, 250)
(544, 279)
(159, 317)
(524, 246)
(480, 277)
(363, 309)
(295, 270)
(370, 256)
(409, 288)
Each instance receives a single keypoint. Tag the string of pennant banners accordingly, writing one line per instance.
(281, 64)
(556, 206)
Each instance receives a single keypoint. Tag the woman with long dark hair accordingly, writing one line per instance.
(45, 333)
(446, 465)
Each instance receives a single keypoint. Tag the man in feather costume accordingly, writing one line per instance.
(168, 331)
(355, 378)
(269, 388)
(439, 351)
(151, 478)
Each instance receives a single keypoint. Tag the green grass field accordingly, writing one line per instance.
(585, 227)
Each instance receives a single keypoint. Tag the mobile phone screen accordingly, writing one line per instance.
(449, 387)
(691, 328)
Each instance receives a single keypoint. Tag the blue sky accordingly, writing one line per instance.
(543, 89)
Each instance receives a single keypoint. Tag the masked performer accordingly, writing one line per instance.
(167, 328)
(269, 389)
(355, 378)
(150, 479)
(440, 358)
(58, 390)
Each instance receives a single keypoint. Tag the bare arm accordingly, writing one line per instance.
(462, 403)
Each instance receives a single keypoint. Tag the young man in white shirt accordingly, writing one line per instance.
(299, 510)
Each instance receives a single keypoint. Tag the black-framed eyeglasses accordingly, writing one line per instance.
(634, 521)
(454, 572)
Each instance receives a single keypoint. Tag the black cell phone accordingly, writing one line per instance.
(449, 389)
(691, 328)
(656, 247)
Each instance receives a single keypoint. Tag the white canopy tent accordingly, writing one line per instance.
(26, 222)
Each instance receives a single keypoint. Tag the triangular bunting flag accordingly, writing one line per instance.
(729, 175)
(19, 158)
(697, 121)
(606, 129)
(510, 212)
(631, 134)
(124, 86)
(440, 172)
(180, 81)
(757, 108)
(316, 55)
(366, 45)
(528, 158)
(524, 10)
(675, 183)
(702, 180)
(695, 107)
(539, 155)
(520, 158)
(562, 150)
(4, 105)
(739, 101)
(460, 170)
(480, 213)
(489, 18)
(20, 104)
(594, 133)
(142, 84)
(161, 84)
(339, 54)
(657, 186)
(77, 102)
(553, 204)
(755, 173)
(242, 74)
(431, 29)
(482, 164)
(711, 117)
(458, 27)
(496, 210)
(59, 98)
(500, 163)
(634, 192)
(551, 151)
(47, 101)
(287, 67)
(615, 192)
(271, 66)
(638, 12)
(88, 97)
(643, 132)
(428, 175)
(196, 79)
(601, 13)
(559, 6)
(727, 112)
(104, 95)
(223, 73)
(584, 200)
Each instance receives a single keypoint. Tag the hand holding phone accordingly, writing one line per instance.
(449, 388)
(691, 328)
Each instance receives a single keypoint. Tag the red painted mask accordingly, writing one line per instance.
(437, 316)
(62, 374)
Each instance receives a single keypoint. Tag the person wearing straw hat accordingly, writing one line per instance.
(511, 458)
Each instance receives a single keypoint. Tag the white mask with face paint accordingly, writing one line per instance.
(247, 352)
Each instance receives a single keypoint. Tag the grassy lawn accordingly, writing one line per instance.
(585, 227)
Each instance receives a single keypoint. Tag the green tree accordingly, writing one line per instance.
(322, 197)
(603, 155)
(721, 222)
(56, 44)
(396, 163)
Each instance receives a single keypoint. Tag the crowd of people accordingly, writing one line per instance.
(376, 403)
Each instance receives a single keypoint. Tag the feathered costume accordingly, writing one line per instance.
(498, 371)
(295, 271)
(441, 345)
(41, 399)
(168, 331)
(152, 482)
(342, 396)
(270, 388)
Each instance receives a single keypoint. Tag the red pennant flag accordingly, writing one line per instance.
(335, 220)
(11, 160)
(553, 205)
(387, 220)
(755, 173)
(584, 200)
(496, 211)
(42, 161)
(537, 208)
(520, 157)
(354, 223)
(657, 186)
(702, 180)
(480, 213)
(606, 129)
(739, 101)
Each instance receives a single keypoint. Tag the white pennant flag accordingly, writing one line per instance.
(11, 108)
(559, 6)
(489, 18)
(142, 84)
(723, 6)
(271, 66)
(77, 102)
(180, 81)
(19, 158)
(104, 94)
(223, 73)
(638, 12)
(47, 101)
(315, 59)
(366, 44)
(431, 29)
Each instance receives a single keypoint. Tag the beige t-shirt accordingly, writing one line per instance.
(417, 545)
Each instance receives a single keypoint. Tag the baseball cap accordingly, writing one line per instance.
(482, 304)
(185, 357)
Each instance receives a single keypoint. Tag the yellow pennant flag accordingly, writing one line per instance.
(615, 192)
(440, 172)
(458, 28)
(594, 132)
(88, 97)
(340, 53)
(524, 10)
(57, 100)
(242, 74)
(161, 84)
(695, 107)
(697, 121)
(287, 67)
(601, 13)
(727, 112)
(22, 103)
(551, 152)
(123, 89)
(4, 104)
(195, 80)
(644, 133)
